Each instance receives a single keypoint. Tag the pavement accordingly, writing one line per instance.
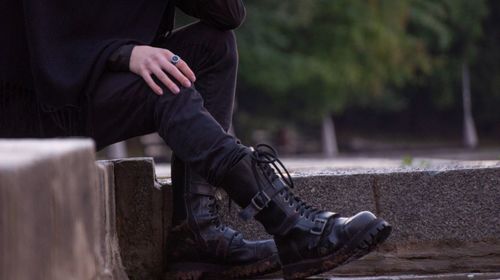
(304, 166)
(349, 165)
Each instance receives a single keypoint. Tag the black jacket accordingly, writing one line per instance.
(54, 52)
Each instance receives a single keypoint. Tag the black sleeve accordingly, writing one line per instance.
(120, 59)
(223, 14)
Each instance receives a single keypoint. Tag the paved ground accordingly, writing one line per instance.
(396, 161)
(386, 159)
(302, 166)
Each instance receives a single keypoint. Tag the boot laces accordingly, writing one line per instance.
(213, 210)
(266, 157)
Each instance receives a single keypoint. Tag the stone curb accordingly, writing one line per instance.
(61, 215)
(445, 220)
(50, 211)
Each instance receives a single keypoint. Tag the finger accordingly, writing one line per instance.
(175, 72)
(182, 65)
(158, 72)
(149, 81)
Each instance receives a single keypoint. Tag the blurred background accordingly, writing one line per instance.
(348, 78)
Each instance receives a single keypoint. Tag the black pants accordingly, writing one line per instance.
(194, 122)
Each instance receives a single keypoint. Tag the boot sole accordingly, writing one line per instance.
(196, 271)
(361, 244)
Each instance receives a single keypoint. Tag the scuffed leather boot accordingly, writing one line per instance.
(199, 245)
(309, 240)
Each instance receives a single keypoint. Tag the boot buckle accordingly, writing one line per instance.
(319, 226)
(260, 200)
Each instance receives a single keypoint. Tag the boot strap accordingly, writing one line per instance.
(196, 184)
(316, 226)
(261, 200)
(202, 189)
(224, 244)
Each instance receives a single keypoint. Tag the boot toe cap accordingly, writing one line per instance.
(266, 248)
(358, 222)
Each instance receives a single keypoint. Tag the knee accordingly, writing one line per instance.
(169, 105)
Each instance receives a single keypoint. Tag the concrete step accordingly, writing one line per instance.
(61, 214)
(446, 215)
(142, 213)
(52, 212)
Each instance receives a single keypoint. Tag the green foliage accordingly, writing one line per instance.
(407, 160)
(318, 57)
(450, 30)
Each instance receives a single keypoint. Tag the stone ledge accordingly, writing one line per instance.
(445, 213)
(433, 207)
(49, 210)
(58, 218)
(142, 216)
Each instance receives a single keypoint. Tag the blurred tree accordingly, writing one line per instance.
(320, 57)
(452, 29)
(310, 60)
(485, 70)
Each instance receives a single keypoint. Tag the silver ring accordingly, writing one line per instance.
(175, 59)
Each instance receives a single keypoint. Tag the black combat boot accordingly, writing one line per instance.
(200, 246)
(309, 240)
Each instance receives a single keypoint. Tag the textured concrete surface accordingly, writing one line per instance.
(142, 217)
(445, 213)
(62, 217)
(445, 216)
(110, 249)
(49, 211)
(317, 166)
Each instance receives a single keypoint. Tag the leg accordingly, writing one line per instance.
(197, 228)
(309, 241)
(123, 106)
(212, 54)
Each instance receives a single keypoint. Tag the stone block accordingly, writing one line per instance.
(143, 217)
(49, 210)
(110, 249)
(445, 218)
(457, 205)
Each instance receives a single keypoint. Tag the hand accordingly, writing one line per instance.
(146, 61)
